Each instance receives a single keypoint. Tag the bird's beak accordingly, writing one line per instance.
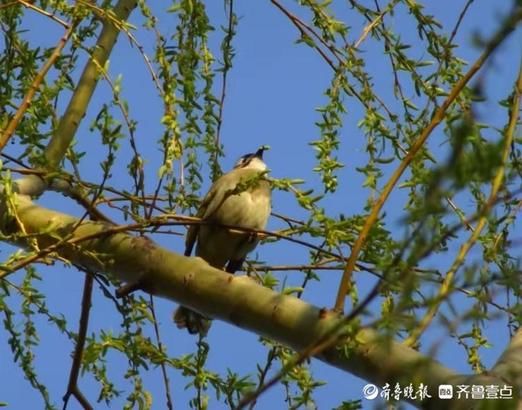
(259, 152)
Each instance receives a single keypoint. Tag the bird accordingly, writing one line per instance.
(240, 198)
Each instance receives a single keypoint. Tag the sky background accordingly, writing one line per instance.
(273, 91)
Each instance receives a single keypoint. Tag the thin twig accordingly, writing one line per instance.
(70, 121)
(300, 25)
(13, 124)
(459, 20)
(329, 339)
(72, 386)
(40, 304)
(160, 221)
(403, 98)
(447, 283)
(181, 220)
(170, 405)
(106, 16)
(226, 68)
(43, 12)
(372, 24)
(507, 27)
(272, 354)
(336, 334)
(284, 268)
(200, 362)
(7, 5)
(264, 372)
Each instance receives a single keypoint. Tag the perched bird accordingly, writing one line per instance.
(239, 198)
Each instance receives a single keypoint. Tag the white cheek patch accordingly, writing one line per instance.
(257, 164)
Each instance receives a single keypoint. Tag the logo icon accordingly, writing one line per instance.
(445, 391)
(370, 391)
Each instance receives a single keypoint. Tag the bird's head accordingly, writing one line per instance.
(253, 160)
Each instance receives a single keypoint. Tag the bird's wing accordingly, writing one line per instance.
(218, 193)
(214, 199)
(193, 230)
(192, 234)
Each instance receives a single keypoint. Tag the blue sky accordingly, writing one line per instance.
(273, 91)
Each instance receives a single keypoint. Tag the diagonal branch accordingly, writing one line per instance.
(507, 28)
(75, 111)
(236, 299)
(33, 88)
(447, 284)
(43, 12)
(69, 123)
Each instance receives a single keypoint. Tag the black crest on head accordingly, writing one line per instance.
(245, 159)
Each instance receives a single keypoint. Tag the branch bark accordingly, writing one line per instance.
(236, 299)
(509, 365)
(75, 111)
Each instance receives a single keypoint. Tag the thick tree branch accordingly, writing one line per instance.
(77, 107)
(62, 137)
(35, 85)
(236, 299)
(509, 365)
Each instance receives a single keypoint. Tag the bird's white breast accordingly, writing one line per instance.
(248, 209)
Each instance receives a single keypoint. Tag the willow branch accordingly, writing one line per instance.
(235, 299)
(447, 283)
(33, 88)
(69, 123)
(44, 13)
(507, 28)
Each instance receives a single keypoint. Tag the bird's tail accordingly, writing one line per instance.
(192, 321)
